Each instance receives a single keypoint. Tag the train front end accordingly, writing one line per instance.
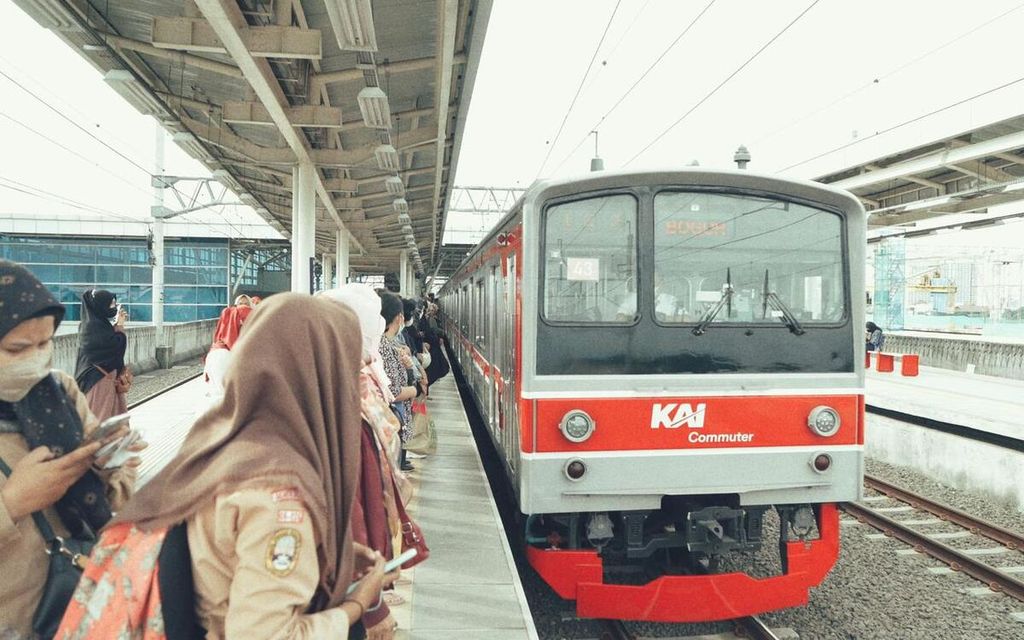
(691, 402)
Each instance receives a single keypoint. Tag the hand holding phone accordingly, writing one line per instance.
(107, 428)
(389, 566)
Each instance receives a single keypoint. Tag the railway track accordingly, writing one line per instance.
(750, 627)
(957, 559)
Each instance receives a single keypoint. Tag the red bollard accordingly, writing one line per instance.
(867, 359)
(909, 366)
(886, 363)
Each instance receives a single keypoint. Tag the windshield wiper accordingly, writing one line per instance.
(710, 315)
(772, 299)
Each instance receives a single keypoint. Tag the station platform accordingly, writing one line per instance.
(981, 402)
(469, 587)
(966, 457)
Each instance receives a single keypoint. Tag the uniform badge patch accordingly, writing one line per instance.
(290, 516)
(283, 551)
(286, 495)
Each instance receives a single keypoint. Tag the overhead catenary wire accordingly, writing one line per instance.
(56, 197)
(905, 123)
(579, 89)
(888, 74)
(722, 83)
(643, 75)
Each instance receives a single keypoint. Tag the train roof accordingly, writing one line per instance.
(598, 180)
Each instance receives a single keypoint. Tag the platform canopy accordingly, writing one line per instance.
(963, 173)
(373, 93)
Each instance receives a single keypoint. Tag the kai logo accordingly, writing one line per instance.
(674, 415)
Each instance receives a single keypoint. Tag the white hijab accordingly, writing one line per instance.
(365, 303)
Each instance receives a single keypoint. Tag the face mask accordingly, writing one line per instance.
(17, 378)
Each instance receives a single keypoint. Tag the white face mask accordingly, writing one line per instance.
(18, 377)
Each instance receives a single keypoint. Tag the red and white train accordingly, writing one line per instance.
(663, 358)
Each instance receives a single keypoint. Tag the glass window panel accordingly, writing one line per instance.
(777, 256)
(206, 312)
(78, 273)
(180, 313)
(179, 275)
(45, 272)
(110, 274)
(180, 295)
(71, 295)
(73, 253)
(141, 275)
(72, 312)
(212, 275)
(140, 312)
(140, 294)
(29, 253)
(590, 260)
(212, 295)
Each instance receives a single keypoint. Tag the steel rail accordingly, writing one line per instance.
(991, 531)
(957, 560)
(752, 627)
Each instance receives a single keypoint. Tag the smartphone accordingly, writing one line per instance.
(389, 566)
(118, 450)
(107, 428)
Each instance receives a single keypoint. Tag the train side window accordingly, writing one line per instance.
(590, 258)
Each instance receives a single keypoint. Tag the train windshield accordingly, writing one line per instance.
(723, 258)
(590, 262)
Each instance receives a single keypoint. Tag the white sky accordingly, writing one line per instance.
(806, 94)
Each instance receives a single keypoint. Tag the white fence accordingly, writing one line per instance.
(189, 340)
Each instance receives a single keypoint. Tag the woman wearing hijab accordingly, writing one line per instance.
(46, 468)
(229, 329)
(266, 481)
(396, 363)
(101, 347)
(375, 518)
(438, 366)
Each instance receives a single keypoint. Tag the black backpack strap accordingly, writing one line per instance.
(44, 527)
(177, 589)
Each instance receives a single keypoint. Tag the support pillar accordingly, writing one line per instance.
(342, 256)
(303, 225)
(403, 274)
(328, 275)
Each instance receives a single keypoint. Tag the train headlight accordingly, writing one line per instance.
(824, 421)
(577, 425)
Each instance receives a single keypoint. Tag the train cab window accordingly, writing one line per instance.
(590, 257)
(731, 258)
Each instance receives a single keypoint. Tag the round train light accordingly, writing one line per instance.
(574, 469)
(577, 425)
(824, 421)
(821, 462)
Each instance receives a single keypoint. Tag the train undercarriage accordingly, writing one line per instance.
(684, 561)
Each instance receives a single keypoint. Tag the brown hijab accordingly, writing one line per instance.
(289, 417)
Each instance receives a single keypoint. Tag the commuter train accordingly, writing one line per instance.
(671, 366)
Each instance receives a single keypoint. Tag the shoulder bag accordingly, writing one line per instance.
(123, 381)
(67, 560)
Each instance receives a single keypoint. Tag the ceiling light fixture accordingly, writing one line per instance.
(373, 104)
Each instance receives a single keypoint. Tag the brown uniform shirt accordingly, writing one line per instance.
(255, 566)
(23, 559)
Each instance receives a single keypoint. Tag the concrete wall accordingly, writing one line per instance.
(190, 340)
(972, 354)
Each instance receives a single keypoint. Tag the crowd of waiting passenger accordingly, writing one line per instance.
(280, 511)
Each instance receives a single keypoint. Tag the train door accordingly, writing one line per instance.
(493, 349)
(479, 329)
(510, 434)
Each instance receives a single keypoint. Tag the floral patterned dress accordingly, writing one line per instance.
(397, 378)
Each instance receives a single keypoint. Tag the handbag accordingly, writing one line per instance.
(412, 535)
(67, 561)
(122, 381)
(423, 439)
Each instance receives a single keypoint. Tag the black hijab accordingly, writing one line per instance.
(46, 415)
(98, 344)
